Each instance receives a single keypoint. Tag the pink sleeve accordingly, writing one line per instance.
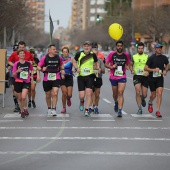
(128, 58)
(31, 67)
(109, 58)
(61, 61)
(41, 63)
(14, 69)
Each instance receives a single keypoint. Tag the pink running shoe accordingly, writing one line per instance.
(63, 110)
(68, 102)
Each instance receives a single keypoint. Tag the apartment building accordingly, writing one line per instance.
(37, 11)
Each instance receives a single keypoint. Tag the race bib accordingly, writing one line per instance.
(35, 70)
(140, 71)
(86, 71)
(51, 76)
(118, 71)
(24, 75)
(157, 74)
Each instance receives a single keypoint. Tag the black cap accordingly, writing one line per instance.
(94, 45)
(87, 43)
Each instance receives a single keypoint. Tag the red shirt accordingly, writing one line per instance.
(14, 57)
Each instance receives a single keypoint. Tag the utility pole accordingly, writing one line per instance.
(155, 6)
(4, 36)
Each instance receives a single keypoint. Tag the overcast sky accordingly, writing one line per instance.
(60, 10)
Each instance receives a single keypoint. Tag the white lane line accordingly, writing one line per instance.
(150, 120)
(86, 128)
(166, 89)
(103, 120)
(84, 138)
(11, 120)
(16, 115)
(58, 120)
(100, 115)
(143, 116)
(83, 153)
(107, 101)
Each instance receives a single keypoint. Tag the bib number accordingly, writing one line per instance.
(96, 73)
(140, 71)
(157, 74)
(51, 76)
(86, 71)
(24, 75)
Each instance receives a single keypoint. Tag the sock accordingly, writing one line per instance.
(49, 107)
(15, 100)
(86, 109)
(116, 103)
(119, 110)
(139, 107)
(54, 108)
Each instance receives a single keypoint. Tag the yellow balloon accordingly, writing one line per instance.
(115, 31)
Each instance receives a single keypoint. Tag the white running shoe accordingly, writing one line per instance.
(49, 112)
(53, 112)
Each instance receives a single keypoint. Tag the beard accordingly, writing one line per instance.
(119, 50)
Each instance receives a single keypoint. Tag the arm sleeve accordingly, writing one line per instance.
(14, 68)
(95, 57)
(166, 60)
(109, 57)
(41, 63)
(31, 67)
(77, 56)
(148, 63)
(31, 58)
(61, 61)
(11, 58)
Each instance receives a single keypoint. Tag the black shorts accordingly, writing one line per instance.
(85, 82)
(141, 79)
(156, 82)
(48, 85)
(18, 86)
(68, 81)
(98, 82)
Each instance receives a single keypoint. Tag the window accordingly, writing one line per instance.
(92, 10)
(92, 18)
(101, 2)
(92, 2)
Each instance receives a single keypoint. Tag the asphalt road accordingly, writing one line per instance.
(72, 141)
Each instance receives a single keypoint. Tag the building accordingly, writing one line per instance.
(141, 4)
(86, 13)
(37, 12)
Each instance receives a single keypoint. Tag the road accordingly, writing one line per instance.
(73, 142)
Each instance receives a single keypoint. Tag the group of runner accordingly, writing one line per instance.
(89, 65)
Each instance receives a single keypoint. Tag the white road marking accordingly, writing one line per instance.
(17, 115)
(107, 101)
(83, 153)
(86, 128)
(150, 120)
(166, 89)
(11, 120)
(57, 120)
(124, 113)
(85, 138)
(103, 120)
(143, 116)
(100, 115)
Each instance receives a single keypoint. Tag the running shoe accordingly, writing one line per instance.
(116, 107)
(23, 114)
(143, 101)
(150, 108)
(86, 113)
(119, 114)
(49, 112)
(91, 110)
(29, 104)
(96, 111)
(139, 112)
(53, 112)
(68, 102)
(158, 114)
(63, 110)
(81, 107)
(26, 112)
(33, 104)
(15, 110)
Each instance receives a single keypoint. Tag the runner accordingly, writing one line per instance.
(157, 66)
(21, 73)
(67, 83)
(98, 80)
(140, 78)
(14, 58)
(51, 65)
(32, 92)
(85, 61)
(117, 61)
